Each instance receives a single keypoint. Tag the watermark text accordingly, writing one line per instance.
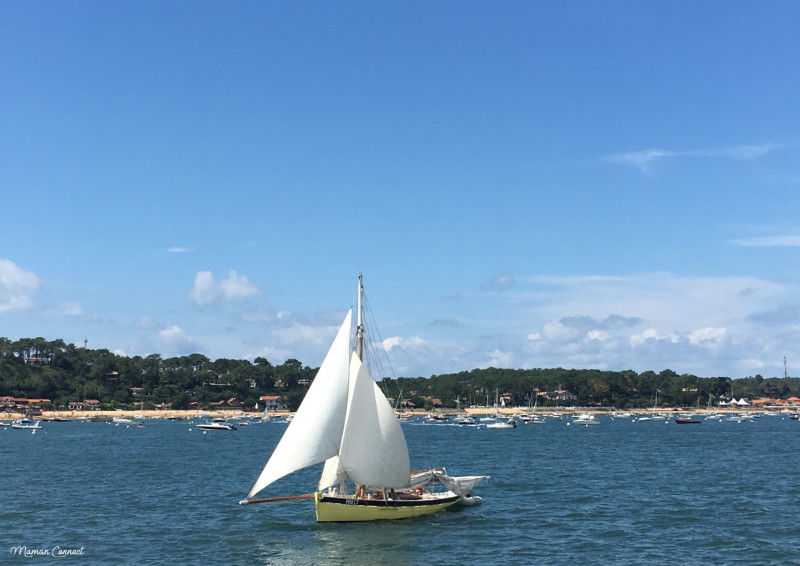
(53, 552)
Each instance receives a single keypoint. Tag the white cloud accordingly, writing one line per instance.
(643, 159)
(306, 334)
(178, 250)
(597, 335)
(209, 291)
(707, 335)
(18, 286)
(702, 325)
(503, 282)
(770, 241)
(174, 341)
(173, 334)
(145, 322)
(745, 151)
(70, 309)
(398, 341)
(499, 359)
(652, 334)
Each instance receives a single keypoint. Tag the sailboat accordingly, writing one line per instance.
(654, 416)
(347, 422)
(532, 417)
(498, 424)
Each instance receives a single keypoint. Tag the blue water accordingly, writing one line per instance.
(618, 493)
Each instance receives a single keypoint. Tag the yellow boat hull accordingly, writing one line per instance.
(347, 509)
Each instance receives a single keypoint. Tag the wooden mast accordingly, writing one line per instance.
(360, 324)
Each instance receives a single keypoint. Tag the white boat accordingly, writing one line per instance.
(122, 420)
(739, 419)
(503, 424)
(26, 424)
(498, 423)
(532, 417)
(585, 419)
(654, 416)
(347, 422)
(265, 417)
(216, 426)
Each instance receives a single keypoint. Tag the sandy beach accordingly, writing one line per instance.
(510, 411)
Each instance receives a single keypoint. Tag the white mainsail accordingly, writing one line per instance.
(315, 433)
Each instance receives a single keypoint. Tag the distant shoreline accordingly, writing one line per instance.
(190, 414)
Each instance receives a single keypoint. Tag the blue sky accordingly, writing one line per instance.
(606, 185)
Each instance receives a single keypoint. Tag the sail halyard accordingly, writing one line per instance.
(315, 433)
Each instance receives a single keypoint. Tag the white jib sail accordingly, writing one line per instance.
(373, 450)
(315, 433)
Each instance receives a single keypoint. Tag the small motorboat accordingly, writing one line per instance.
(26, 424)
(585, 420)
(508, 423)
(686, 419)
(216, 426)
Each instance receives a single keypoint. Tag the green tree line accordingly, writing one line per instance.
(621, 389)
(41, 369)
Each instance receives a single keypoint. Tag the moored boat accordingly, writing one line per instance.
(26, 424)
(503, 424)
(585, 419)
(216, 426)
(686, 419)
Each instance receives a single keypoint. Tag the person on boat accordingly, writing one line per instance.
(361, 491)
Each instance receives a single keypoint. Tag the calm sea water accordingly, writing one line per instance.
(618, 493)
